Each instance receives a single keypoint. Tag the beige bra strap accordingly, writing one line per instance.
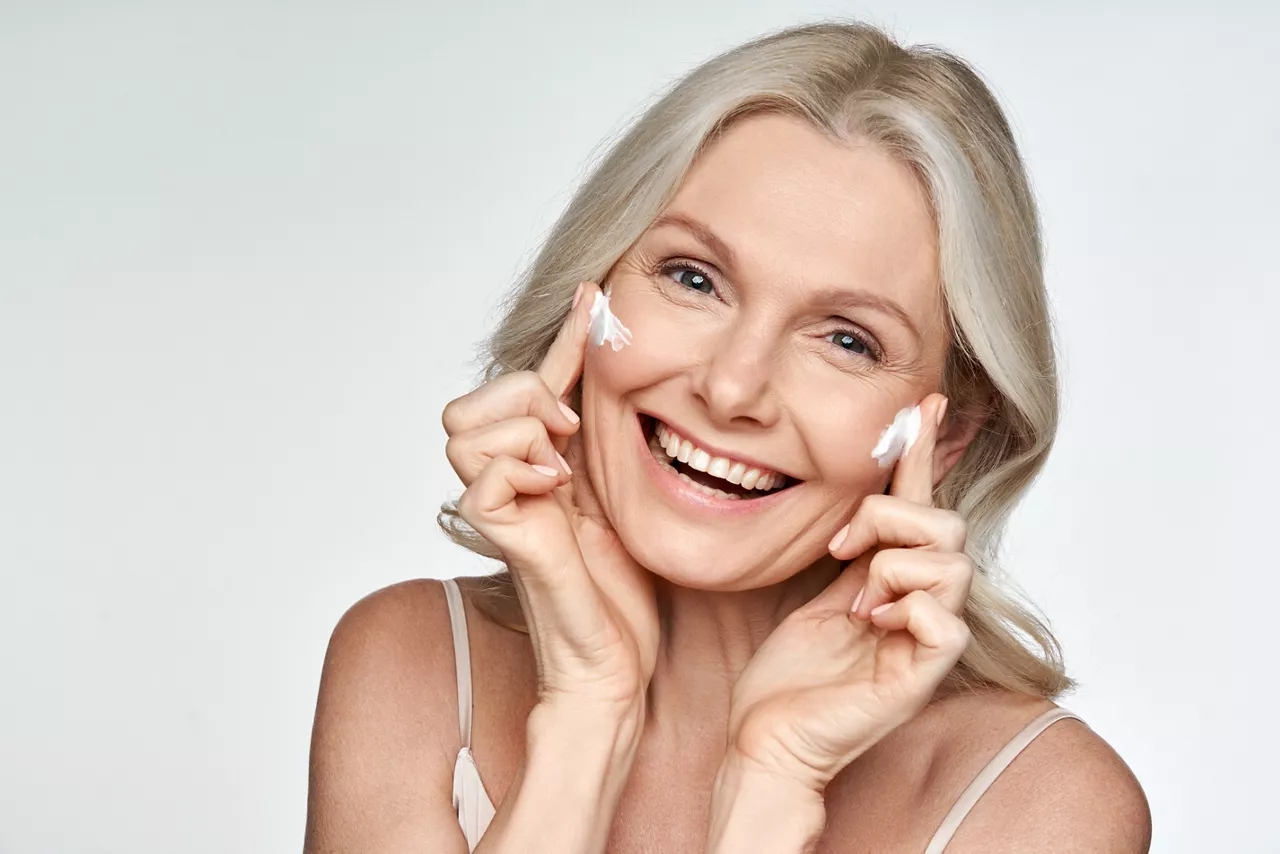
(461, 656)
(988, 775)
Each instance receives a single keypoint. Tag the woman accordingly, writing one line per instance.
(724, 624)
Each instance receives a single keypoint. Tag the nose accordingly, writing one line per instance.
(736, 381)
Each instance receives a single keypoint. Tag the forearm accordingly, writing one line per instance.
(755, 811)
(564, 797)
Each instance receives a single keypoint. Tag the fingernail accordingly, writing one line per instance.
(857, 600)
(565, 464)
(568, 412)
(942, 410)
(838, 539)
(577, 295)
(879, 608)
(547, 470)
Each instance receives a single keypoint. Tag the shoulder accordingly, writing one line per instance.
(393, 646)
(1068, 790)
(389, 667)
(386, 725)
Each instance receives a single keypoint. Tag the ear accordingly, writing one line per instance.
(958, 429)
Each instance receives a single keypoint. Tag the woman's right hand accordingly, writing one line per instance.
(590, 608)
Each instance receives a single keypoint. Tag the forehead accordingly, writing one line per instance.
(799, 208)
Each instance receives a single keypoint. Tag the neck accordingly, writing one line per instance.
(707, 639)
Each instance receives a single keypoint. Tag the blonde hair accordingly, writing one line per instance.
(927, 107)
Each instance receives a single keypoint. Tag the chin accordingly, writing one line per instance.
(704, 557)
(704, 566)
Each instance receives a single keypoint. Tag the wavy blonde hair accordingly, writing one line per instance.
(930, 109)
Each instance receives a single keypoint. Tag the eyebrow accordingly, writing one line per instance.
(865, 299)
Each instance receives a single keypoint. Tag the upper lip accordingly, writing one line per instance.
(716, 450)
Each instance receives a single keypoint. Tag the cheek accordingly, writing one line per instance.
(664, 339)
(841, 434)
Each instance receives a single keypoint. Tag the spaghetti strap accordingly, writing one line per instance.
(989, 773)
(461, 657)
(474, 806)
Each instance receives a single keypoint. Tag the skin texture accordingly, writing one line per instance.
(753, 368)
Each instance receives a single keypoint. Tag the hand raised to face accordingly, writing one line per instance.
(589, 607)
(867, 653)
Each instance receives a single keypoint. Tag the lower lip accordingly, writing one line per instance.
(689, 496)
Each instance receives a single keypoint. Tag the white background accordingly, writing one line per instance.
(246, 250)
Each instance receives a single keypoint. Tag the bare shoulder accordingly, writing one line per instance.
(1068, 790)
(386, 726)
(390, 659)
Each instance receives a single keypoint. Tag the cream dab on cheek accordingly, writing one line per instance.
(898, 437)
(605, 325)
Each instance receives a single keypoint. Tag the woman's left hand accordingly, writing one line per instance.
(829, 683)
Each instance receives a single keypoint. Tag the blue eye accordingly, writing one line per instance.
(849, 342)
(694, 278)
(854, 343)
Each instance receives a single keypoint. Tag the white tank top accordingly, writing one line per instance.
(476, 810)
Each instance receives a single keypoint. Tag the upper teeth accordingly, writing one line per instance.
(733, 471)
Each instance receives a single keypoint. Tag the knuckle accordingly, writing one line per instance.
(536, 391)
(449, 416)
(919, 599)
(875, 503)
(961, 567)
(960, 634)
(500, 467)
(491, 471)
(529, 383)
(531, 427)
(466, 505)
(528, 437)
(453, 451)
(957, 530)
(883, 568)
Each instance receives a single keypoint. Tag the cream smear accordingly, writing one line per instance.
(898, 437)
(605, 325)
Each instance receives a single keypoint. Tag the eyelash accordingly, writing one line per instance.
(873, 349)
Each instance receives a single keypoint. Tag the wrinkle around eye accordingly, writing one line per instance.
(663, 281)
(897, 356)
(911, 367)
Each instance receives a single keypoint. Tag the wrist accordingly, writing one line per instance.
(753, 808)
(581, 719)
(577, 762)
(601, 740)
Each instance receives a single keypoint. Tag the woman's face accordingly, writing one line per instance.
(783, 309)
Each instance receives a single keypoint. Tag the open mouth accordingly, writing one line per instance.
(719, 477)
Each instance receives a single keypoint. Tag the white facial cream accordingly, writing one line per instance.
(898, 437)
(605, 325)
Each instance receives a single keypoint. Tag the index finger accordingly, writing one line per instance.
(562, 365)
(913, 475)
